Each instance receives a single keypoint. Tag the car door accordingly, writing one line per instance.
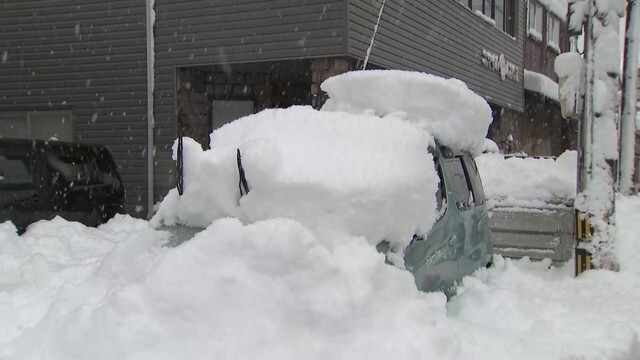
(71, 176)
(433, 257)
(464, 203)
(477, 247)
(21, 199)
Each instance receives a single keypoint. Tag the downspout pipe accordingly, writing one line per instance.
(150, 21)
(373, 36)
(629, 99)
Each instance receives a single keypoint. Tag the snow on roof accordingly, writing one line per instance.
(540, 84)
(446, 108)
(327, 170)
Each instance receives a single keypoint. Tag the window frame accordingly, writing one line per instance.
(535, 14)
(22, 195)
(488, 9)
(473, 177)
(443, 204)
(469, 200)
(31, 118)
(553, 32)
(29, 166)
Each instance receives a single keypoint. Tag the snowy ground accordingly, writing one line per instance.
(274, 290)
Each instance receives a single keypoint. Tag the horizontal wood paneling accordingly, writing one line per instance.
(442, 37)
(90, 56)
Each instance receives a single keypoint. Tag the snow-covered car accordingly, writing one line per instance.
(40, 180)
(389, 158)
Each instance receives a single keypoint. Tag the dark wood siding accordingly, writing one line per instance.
(88, 55)
(442, 37)
(203, 32)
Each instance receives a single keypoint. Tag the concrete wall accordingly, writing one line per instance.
(540, 131)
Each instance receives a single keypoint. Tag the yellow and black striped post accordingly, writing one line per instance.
(583, 233)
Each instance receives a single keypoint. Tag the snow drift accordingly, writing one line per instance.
(275, 290)
(528, 182)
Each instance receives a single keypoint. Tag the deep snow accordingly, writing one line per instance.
(273, 289)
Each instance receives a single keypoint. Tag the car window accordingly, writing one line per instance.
(15, 171)
(461, 188)
(474, 178)
(441, 194)
(71, 168)
(16, 180)
(106, 167)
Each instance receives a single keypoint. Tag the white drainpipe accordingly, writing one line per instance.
(151, 17)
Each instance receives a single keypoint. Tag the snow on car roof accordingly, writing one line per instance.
(357, 174)
(446, 108)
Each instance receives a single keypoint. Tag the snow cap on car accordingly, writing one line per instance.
(446, 108)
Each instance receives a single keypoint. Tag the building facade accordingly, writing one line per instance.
(76, 70)
(540, 130)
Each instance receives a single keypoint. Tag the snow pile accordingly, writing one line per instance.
(579, 13)
(527, 310)
(570, 68)
(540, 84)
(275, 290)
(557, 7)
(59, 266)
(528, 182)
(327, 170)
(269, 290)
(446, 108)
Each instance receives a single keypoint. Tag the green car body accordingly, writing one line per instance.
(460, 241)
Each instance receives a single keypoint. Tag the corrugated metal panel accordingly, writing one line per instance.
(88, 55)
(442, 37)
(203, 32)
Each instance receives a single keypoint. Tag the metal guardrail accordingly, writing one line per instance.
(536, 233)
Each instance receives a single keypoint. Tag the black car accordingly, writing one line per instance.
(43, 179)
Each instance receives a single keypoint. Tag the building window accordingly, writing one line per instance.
(553, 33)
(500, 11)
(535, 23)
(483, 6)
(39, 124)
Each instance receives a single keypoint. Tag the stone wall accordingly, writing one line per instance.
(321, 70)
(539, 131)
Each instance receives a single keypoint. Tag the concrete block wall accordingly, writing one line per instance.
(324, 68)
